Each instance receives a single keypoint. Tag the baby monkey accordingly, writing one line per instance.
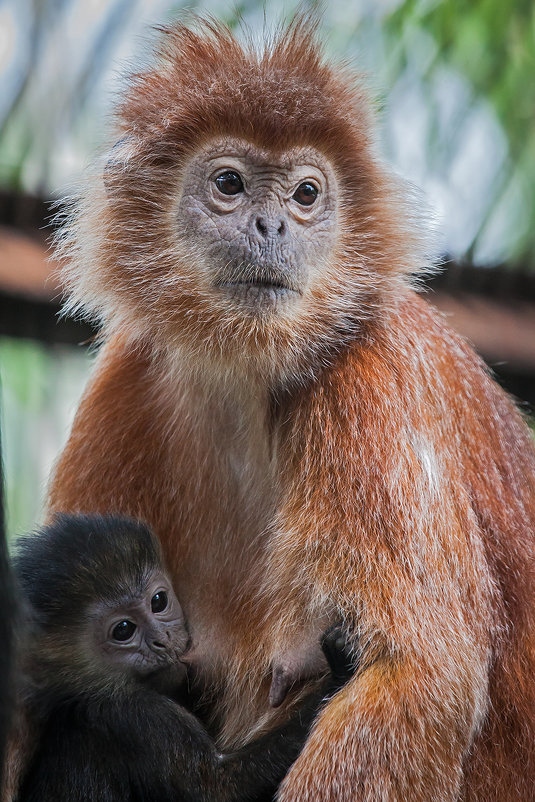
(105, 663)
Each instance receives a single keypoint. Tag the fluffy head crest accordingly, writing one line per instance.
(80, 559)
(208, 84)
(126, 263)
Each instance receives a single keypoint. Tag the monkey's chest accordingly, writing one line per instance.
(217, 552)
(221, 559)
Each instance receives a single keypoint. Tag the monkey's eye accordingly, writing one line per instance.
(306, 193)
(123, 631)
(229, 183)
(158, 603)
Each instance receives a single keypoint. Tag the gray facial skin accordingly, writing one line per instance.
(262, 245)
(143, 635)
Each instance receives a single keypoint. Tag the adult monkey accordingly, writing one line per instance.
(306, 435)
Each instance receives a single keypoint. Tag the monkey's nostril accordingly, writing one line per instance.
(261, 226)
(158, 644)
(282, 228)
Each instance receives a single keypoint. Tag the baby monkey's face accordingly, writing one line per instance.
(143, 633)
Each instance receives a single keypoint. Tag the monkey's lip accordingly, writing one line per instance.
(258, 287)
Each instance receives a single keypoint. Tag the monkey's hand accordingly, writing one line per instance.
(306, 663)
(341, 656)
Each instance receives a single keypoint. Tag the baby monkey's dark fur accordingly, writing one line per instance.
(110, 730)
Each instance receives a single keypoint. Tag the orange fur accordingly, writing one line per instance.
(353, 460)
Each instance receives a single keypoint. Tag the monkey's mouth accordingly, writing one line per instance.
(259, 294)
(266, 284)
(258, 288)
(260, 281)
(167, 676)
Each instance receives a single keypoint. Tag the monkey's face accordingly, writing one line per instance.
(244, 221)
(144, 635)
(262, 225)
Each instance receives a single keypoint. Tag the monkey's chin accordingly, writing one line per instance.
(259, 297)
(167, 679)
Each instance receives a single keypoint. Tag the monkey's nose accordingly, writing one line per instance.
(161, 638)
(268, 226)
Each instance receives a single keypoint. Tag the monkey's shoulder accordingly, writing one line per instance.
(413, 339)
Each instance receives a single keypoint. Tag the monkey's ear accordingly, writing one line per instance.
(120, 159)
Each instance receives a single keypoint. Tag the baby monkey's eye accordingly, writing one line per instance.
(158, 603)
(306, 193)
(123, 631)
(229, 183)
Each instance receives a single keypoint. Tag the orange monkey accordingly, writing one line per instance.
(306, 435)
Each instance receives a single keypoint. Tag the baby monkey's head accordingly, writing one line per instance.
(105, 609)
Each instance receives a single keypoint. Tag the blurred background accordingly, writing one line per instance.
(455, 88)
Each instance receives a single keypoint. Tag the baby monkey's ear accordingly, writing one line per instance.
(340, 653)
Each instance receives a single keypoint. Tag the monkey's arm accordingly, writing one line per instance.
(255, 771)
(142, 746)
(181, 758)
(111, 440)
(383, 527)
(403, 725)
